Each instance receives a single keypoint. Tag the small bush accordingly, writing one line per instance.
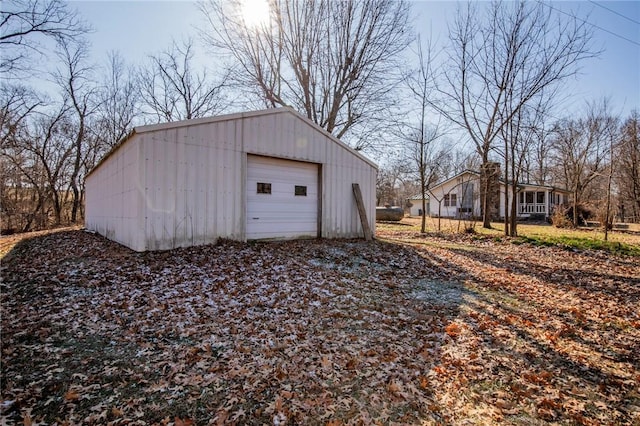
(560, 219)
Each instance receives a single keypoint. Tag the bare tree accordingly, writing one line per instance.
(74, 81)
(336, 62)
(538, 168)
(171, 90)
(422, 136)
(426, 158)
(628, 170)
(391, 178)
(519, 135)
(580, 151)
(17, 103)
(40, 152)
(458, 160)
(118, 105)
(520, 49)
(116, 111)
(24, 24)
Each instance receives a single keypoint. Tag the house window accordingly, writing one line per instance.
(301, 190)
(539, 197)
(264, 188)
(450, 200)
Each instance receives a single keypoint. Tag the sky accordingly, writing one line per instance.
(139, 28)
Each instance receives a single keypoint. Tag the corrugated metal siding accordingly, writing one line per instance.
(191, 189)
(192, 178)
(114, 198)
(287, 136)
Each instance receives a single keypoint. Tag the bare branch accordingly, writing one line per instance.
(24, 24)
(335, 62)
(171, 90)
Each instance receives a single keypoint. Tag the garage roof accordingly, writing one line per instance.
(229, 117)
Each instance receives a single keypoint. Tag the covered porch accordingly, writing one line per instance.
(539, 201)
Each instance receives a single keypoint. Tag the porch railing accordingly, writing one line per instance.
(533, 208)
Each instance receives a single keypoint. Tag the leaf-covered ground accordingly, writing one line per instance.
(404, 330)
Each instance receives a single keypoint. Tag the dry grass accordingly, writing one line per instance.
(532, 231)
(8, 242)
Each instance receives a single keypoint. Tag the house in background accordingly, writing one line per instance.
(270, 174)
(416, 205)
(459, 197)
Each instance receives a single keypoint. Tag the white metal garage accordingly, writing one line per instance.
(191, 182)
(282, 198)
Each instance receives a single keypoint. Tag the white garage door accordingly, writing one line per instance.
(282, 198)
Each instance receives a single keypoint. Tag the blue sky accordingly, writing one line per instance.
(139, 28)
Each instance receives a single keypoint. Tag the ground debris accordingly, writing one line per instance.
(316, 332)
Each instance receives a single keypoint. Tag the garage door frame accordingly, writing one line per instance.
(318, 184)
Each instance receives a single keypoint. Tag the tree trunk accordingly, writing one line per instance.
(76, 169)
(514, 211)
(57, 207)
(423, 225)
(575, 208)
(484, 195)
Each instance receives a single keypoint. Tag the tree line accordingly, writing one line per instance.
(358, 69)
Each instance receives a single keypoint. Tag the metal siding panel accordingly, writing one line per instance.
(199, 183)
(211, 193)
(219, 184)
(237, 208)
(180, 217)
(226, 208)
(151, 179)
(111, 196)
(169, 169)
(163, 183)
(160, 185)
(139, 212)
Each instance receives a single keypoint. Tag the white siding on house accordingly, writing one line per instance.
(542, 198)
(192, 175)
(438, 196)
(416, 207)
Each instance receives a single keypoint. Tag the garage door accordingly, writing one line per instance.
(282, 198)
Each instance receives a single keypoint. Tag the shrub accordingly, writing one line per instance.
(560, 218)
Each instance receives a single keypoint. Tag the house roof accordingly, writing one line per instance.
(228, 117)
(533, 185)
(418, 197)
(444, 182)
